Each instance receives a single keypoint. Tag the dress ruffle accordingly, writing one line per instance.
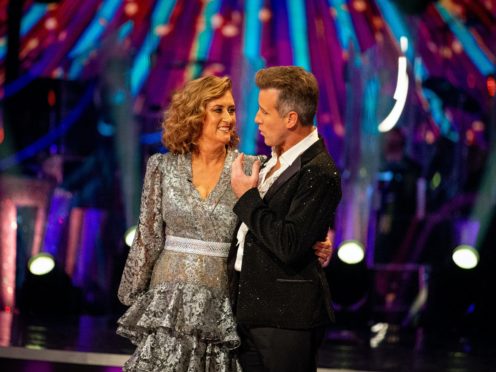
(181, 327)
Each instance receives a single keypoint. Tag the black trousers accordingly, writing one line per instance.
(265, 349)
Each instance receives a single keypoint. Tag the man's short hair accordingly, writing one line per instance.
(298, 90)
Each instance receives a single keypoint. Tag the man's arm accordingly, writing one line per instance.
(310, 213)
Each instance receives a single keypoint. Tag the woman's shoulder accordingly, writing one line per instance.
(159, 160)
(163, 157)
(252, 158)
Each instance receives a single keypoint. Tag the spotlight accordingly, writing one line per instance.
(47, 290)
(41, 264)
(351, 252)
(129, 235)
(465, 257)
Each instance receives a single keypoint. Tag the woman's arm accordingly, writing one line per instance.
(150, 236)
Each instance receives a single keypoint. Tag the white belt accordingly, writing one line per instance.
(185, 245)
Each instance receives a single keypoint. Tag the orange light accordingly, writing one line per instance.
(491, 85)
(470, 137)
(430, 137)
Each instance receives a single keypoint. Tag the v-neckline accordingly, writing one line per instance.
(189, 166)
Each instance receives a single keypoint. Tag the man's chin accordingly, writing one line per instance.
(267, 142)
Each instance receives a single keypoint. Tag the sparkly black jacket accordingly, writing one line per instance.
(281, 283)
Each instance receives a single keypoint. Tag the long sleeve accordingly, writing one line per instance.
(310, 213)
(150, 236)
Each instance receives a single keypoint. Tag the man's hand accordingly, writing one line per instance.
(324, 250)
(240, 182)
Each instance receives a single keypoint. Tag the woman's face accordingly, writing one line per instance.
(220, 120)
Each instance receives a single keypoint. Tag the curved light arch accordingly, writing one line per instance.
(400, 95)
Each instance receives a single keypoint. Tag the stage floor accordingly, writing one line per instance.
(89, 344)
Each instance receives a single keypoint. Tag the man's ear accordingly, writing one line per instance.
(292, 120)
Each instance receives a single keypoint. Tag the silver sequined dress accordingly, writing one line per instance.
(179, 317)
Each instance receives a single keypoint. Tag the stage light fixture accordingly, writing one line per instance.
(41, 264)
(129, 235)
(465, 255)
(351, 252)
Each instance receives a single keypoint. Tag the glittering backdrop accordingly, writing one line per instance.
(172, 41)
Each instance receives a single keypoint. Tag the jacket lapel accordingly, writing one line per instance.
(309, 154)
(286, 175)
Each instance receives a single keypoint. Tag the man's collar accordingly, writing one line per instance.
(288, 156)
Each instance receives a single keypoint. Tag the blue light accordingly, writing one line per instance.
(471, 309)
(95, 29)
(204, 40)
(252, 37)
(31, 18)
(346, 31)
(386, 176)
(437, 113)
(119, 97)
(397, 24)
(22, 81)
(91, 37)
(151, 138)
(141, 66)
(470, 45)
(78, 64)
(297, 16)
(105, 129)
(253, 29)
(125, 30)
(370, 96)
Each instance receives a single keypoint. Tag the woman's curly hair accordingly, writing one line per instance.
(183, 121)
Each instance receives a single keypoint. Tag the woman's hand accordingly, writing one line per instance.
(323, 250)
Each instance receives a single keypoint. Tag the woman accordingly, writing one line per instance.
(175, 279)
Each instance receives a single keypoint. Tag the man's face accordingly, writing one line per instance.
(270, 124)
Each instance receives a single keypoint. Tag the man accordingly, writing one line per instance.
(278, 289)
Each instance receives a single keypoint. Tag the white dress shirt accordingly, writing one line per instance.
(286, 159)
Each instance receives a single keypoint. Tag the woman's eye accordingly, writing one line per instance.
(218, 110)
(232, 110)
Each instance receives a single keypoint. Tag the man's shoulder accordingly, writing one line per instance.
(322, 162)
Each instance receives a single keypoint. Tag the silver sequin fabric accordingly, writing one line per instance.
(179, 315)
